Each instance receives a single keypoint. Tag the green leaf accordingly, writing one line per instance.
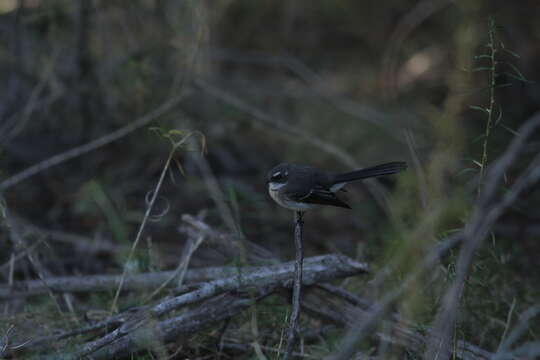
(509, 51)
(512, 131)
(179, 167)
(513, 76)
(483, 56)
(177, 132)
(467, 170)
(518, 73)
(479, 108)
(477, 163)
(481, 68)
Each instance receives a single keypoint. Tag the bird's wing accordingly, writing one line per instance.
(318, 195)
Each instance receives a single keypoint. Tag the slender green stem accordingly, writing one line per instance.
(492, 74)
(141, 228)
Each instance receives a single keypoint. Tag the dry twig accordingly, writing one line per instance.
(297, 287)
(318, 269)
(143, 281)
(92, 145)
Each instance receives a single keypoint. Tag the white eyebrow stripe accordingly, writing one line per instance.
(276, 173)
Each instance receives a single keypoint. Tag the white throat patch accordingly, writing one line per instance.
(274, 186)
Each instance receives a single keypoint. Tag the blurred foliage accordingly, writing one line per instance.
(359, 75)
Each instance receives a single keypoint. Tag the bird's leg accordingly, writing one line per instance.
(297, 286)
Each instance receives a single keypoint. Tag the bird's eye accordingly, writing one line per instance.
(277, 176)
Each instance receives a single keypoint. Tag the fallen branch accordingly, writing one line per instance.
(316, 270)
(150, 334)
(92, 283)
(144, 281)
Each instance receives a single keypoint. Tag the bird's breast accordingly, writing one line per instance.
(276, 193)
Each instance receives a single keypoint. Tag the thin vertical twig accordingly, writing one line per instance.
(298, 264)
(141, 228)
(492, 46)
(176, 144)
(180, 271)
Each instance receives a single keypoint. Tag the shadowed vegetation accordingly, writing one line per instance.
(135, 138)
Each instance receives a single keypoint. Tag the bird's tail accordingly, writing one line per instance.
(379, 170)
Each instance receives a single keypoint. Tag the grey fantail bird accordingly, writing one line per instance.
(303, 187)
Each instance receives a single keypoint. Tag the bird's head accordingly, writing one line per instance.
(278, 175)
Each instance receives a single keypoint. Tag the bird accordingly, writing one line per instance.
(303, 187)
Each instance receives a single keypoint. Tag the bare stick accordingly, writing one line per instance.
(142, 226)
(318, 269)
(122, 342)
(143, 281)
(92, 145)
(297, 287)
(170, 329)
(182, 267)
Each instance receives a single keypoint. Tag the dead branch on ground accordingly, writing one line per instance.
(258, 280)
